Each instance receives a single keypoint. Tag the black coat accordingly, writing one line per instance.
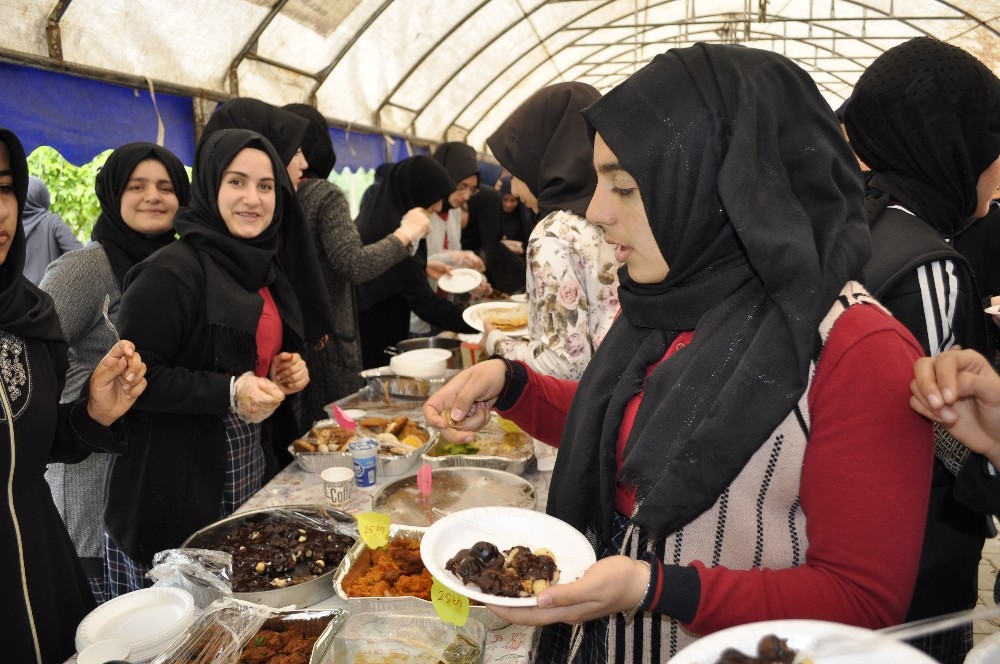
(170, 482)
(31, 531)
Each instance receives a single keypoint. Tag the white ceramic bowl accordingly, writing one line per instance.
(421, 363)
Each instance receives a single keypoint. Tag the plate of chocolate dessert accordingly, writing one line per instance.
(504, 555)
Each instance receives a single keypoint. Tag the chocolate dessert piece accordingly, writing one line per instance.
(270, 551)
(517, 572)
(770, 650)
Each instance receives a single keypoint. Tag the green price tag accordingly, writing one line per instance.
(451, 607)
(374, 529)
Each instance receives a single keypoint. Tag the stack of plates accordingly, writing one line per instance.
(148, 620)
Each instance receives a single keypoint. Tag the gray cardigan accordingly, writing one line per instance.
(344, 261)
(78, 282)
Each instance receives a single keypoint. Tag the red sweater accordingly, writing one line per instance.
(865, 484)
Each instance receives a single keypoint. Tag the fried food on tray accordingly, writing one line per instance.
(268, 646)
(396, 571)
(397, 435)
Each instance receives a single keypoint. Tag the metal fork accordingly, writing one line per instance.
(107, 319)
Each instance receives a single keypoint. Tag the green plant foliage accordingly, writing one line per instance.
(71, 187)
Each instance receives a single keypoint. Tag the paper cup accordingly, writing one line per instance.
(337, 483)
(364, 454)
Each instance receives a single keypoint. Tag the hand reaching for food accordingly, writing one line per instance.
(414, 226)
(256, 398)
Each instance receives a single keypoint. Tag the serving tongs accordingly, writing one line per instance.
(830, 645)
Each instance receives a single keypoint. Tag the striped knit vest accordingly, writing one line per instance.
(757, 522)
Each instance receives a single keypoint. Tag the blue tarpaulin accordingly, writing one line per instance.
(82, 117)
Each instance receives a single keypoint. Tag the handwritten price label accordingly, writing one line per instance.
(451, 607)
(374, 529)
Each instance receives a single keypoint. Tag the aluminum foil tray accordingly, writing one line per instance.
(513, 451)
(388, 465)
(358, 561)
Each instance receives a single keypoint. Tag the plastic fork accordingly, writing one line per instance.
(840, 644)
(107, 319)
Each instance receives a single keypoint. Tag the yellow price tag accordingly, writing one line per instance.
(374, 529)
(451, 607)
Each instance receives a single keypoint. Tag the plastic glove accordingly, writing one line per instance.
(415, 225)
(469, 259)
(256, 398)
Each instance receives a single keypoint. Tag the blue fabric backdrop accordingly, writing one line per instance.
(82, 117)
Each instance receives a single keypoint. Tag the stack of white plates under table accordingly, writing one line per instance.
(148, 620)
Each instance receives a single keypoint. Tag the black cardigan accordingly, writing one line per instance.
(170, 482)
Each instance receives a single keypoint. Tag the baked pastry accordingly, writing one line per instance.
(504, 318)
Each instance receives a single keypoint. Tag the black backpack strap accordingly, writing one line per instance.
(900, 243)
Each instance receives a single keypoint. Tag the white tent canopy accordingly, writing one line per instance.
(454, 69)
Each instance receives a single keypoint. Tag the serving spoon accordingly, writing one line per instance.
(840, 644)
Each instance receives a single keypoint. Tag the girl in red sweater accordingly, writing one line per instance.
(740, 448)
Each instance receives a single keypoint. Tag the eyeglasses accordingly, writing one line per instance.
(471, 190)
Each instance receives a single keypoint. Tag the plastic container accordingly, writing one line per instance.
(421, 363)
(364, 455)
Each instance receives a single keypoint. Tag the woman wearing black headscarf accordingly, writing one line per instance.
(46, 589)
(344, 262)
(219, 320)
(417, 185)
(571, 278)
(296, 254)
(720, 452)
(925, 117)
(139, 188)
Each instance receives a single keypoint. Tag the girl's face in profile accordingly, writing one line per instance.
(246, 195)
(987, 187)
(149, 203)
(617, 207)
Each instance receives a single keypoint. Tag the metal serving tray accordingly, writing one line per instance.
(388, 465)
(300, 594)
(515, 459)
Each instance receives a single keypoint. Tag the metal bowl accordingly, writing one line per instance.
(300, 594)
(452, 489)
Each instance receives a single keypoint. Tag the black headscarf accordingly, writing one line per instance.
(124, 246)
(543, 144)
(296, 253)
(458, 159)
(925, 117)
(25, 310)
(417, 181)
(286, 131)
(236, 268)
(754, 200)
(317, 146)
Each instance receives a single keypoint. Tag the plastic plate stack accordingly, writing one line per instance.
(148, 620)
